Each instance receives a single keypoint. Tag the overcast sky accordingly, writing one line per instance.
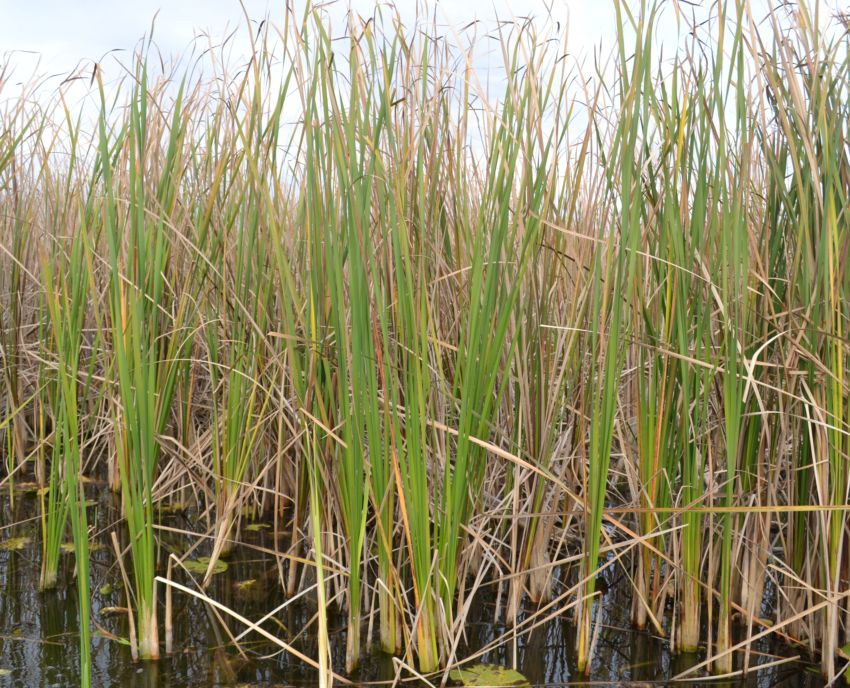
(63, 34)
(52, 38)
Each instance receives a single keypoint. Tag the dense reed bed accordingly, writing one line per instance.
(450, 341)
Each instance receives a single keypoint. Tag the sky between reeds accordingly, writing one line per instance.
(50, 47)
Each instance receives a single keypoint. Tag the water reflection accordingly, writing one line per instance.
(38, 640)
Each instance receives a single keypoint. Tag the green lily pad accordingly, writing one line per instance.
(106, 589)
(201, 565)
(489, 675)
(14, 544)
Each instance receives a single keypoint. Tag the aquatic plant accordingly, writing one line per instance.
(444, 339)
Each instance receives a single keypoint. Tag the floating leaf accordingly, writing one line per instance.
(201, 565)
(254, 527)
(173, 508)
(68, 547)
(106, 589)
(245, 585)
(14, 544)
(103, 633)
(489, 675)
(112, 611)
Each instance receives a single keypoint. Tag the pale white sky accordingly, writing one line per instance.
(52, 38)
(64, 33)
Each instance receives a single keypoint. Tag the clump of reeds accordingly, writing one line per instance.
(449, 341)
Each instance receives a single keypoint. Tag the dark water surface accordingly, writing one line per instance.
(38, 631)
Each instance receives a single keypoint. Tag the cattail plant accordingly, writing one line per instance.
(451, 335)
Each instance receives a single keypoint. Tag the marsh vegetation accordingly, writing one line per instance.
(447, 343)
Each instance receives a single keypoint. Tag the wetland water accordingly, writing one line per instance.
(38, 631)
